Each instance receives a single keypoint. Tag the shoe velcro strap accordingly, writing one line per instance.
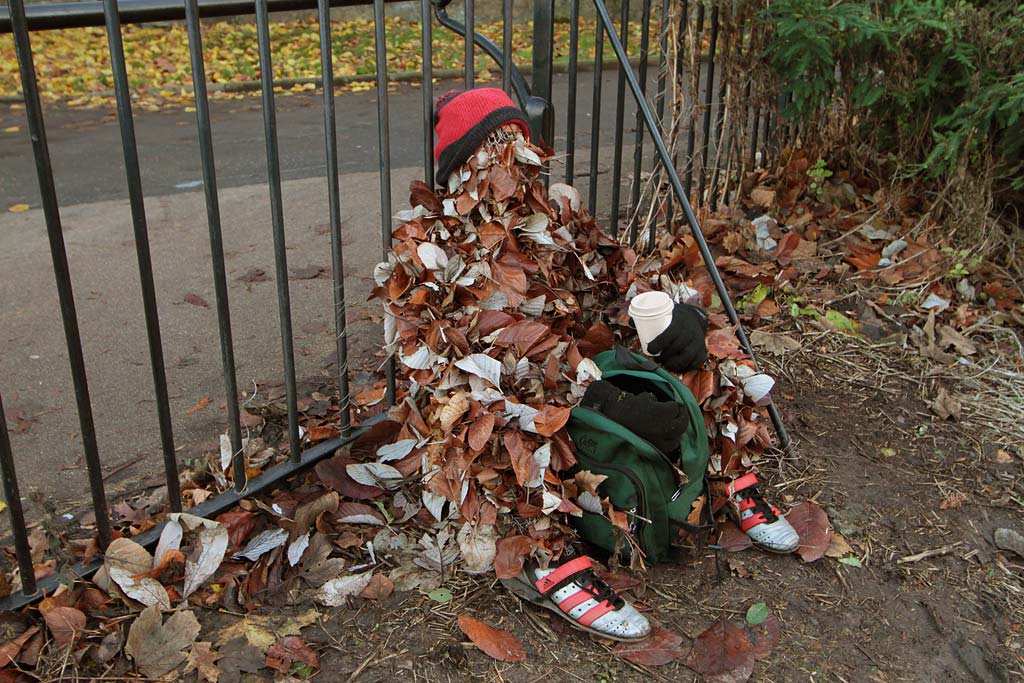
(568, 570)
(744, 482)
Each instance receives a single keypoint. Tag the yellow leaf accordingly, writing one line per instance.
(18, 208)
(3, 506)
(12, 129)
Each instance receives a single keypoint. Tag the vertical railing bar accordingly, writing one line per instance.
(220, 283)
(15, 510)
(570, 122)
(506, 45)
(334, 207)
(141, 231)
(691, 218)
(638, 149)
(595, 118)
(709, 94)
(660, 103)
(284, 305)
(691, 136)
(620, 97)
(470, 22)
(428, 92)
(384, 156)
(58, 253)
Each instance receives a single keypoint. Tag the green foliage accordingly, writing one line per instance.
(818, 173)
(939, 84)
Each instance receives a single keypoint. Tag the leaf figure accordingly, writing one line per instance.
(157, 647)
(495, 643)
(660, 648)
(815, 531)
(722, 654)
(262, 543)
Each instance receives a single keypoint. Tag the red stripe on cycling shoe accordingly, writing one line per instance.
(574, 600)
(595, 613)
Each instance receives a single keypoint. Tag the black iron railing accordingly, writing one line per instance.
(535, 97)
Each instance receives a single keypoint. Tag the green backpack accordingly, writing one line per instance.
(642, 481)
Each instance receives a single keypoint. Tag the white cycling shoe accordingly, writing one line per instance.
(574, 592)
(760, 520)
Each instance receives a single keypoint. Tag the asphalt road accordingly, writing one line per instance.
(85, 145)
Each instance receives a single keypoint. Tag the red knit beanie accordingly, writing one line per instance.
(463, 120)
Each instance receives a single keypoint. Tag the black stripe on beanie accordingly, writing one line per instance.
(456, 153)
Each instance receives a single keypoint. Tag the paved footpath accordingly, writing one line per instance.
(86, 150)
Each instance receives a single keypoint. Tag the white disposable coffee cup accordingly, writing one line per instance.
(652, 314)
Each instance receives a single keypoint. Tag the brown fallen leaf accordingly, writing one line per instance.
(203, 402)
(196, 300)
(512, 552)
(495, 643)
(253, 275)
(10, 650)
(945, 406)
(838, 546)
(202, 659)
(309, 272)
(815, 531)
(732, 539)
(290, 649)
(660, 648)
(157, 646)
(764, 636)
(722, 654)
(379, 588)
(66, 624)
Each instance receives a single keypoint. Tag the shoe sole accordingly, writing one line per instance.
(530, 594)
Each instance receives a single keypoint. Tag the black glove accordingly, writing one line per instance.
(682, 347)
(662, 423)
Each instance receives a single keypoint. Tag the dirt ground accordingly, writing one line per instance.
(896, 482)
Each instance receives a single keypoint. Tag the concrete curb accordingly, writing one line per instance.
(396, 77)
